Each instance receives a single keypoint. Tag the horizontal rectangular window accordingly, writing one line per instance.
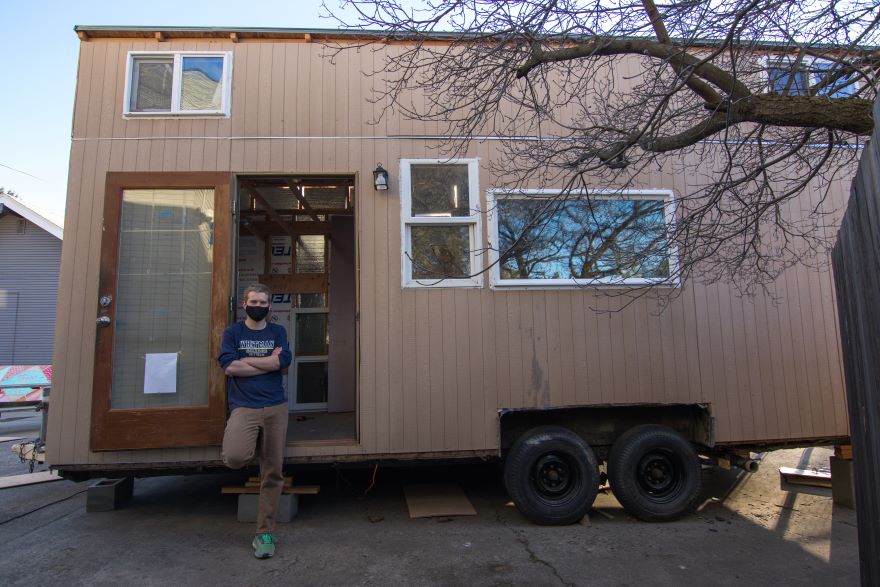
(810, 77)
(547, 238)
(440, 215)
(178, 83)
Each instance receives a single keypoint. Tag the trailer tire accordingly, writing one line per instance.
(552, 475)
(655, 473)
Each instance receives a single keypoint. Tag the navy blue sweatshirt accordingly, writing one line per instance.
(257, 391)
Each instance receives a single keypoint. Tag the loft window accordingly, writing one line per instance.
(440, 214)
(810, 76)
(542, 237)
(785, 78)
(178, 84)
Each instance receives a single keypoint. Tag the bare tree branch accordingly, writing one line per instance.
(756, 103)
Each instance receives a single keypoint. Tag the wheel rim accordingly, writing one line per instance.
(554, 476)
(659, 474)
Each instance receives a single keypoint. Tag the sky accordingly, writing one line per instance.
(38, 65)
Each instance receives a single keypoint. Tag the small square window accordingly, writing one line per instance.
(174, 84)
(440, 252)
(440, 190)
(831, 83)
(786, 80)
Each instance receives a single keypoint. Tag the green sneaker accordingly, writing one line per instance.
(264, 545)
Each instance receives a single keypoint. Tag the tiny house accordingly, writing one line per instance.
(207, 159)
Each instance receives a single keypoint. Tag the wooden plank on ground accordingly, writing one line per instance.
(255, 482)
(28, 479)
(809, 477)
(295, 490)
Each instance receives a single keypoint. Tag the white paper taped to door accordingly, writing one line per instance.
(160, 373)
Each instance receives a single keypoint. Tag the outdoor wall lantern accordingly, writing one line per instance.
(380, 178)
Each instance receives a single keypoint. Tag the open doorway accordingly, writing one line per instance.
(296, 234)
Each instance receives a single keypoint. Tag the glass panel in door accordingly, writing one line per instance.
(311, 349)
(162, 328)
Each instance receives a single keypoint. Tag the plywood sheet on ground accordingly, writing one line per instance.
(426, 501)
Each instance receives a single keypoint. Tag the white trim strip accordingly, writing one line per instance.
(413, 138)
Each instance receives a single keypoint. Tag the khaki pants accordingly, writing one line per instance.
(239, 446)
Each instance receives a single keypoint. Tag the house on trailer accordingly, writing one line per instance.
(205, 159)
(30, 261)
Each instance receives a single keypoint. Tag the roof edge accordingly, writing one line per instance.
(308, 34)
(28, 213)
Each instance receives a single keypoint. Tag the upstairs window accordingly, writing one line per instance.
(784, 78)
(440, 215)
(837, 86)
(178, 84)
(544, 238)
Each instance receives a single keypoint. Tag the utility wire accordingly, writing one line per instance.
(42, 507)
(20, 171)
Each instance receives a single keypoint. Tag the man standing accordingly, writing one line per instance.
(253, 354)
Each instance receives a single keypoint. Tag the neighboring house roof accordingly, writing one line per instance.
(42, 218)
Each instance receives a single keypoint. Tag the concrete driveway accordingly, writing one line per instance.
(182, 531)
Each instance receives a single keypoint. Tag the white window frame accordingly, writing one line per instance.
(473, 221)
(495, 281)
(807, 62)
(176, 72)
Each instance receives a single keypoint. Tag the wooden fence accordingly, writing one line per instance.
(856, 259)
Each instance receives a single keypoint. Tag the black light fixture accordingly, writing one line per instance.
(380, 178)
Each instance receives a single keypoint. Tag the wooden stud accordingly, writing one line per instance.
(270, 228)
(83, 36)
(308, 37)
(234, 37)
(160, 36)
(302, 200)
(285, 225)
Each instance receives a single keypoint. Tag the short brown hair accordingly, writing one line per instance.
(256, 288)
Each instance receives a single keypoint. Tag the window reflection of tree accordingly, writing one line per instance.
(582, 238)
(440, 252)
(440, 190)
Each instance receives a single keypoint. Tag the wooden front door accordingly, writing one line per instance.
(163, 305)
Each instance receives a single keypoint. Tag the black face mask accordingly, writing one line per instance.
(256, 313)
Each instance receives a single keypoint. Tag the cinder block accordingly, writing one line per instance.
(108, 494)
(248, 503)
(843, 490)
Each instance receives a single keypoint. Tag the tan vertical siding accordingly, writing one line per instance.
(435, 366)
